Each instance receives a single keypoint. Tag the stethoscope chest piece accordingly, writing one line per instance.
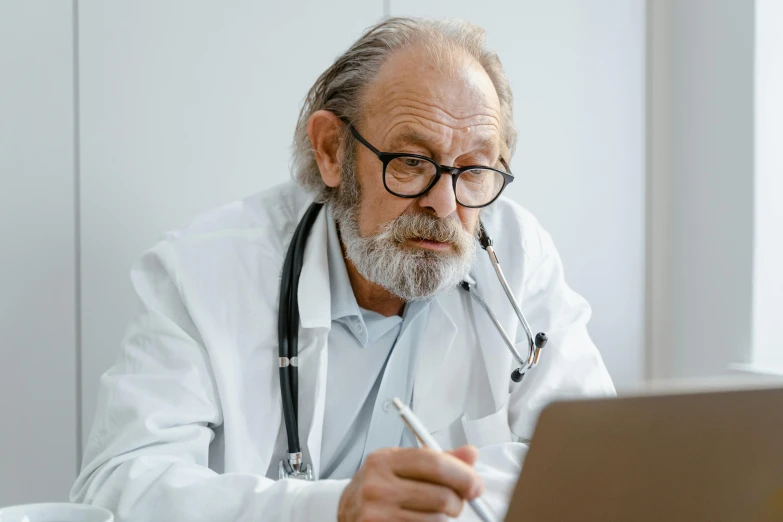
(294, 468)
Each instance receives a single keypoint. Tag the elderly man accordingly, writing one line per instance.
(407, 139)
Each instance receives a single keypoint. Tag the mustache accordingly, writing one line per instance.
(423, 226)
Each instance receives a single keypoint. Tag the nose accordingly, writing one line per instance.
(441, 198)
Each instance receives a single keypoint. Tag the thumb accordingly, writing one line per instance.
(467, 454)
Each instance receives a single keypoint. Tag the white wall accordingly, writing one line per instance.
(578, 73)
(768, 189)
(185, 105)
(701, 185)
(37, 311)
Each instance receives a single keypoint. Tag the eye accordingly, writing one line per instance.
(475, 175)
(412, 162)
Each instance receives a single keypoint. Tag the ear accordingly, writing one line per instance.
(324, 129)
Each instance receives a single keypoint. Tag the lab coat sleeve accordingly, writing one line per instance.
(147, 455)
(570, 367)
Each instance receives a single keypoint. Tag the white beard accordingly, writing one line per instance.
(412, 274)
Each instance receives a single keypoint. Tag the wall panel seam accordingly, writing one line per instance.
(77, 233)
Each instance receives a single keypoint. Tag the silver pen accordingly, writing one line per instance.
(426, 440)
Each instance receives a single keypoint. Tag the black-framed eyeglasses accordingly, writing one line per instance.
(412, 175)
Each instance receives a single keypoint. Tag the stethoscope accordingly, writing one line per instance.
(288, 327)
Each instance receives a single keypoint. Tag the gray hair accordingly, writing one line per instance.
(340, 88)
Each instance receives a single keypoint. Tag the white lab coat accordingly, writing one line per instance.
(188, 425)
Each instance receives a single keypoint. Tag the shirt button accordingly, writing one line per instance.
(387, 405)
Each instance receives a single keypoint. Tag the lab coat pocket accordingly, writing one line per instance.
(492, 429)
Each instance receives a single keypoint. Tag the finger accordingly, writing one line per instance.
(429, 498)
(439, 468)
(414, 516)
(467, 454)
(403, 515)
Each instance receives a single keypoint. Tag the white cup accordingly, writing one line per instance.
(55, 513)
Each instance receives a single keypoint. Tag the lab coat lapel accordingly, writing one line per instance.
(497, 359)
(315, 321)
(312, 394)
(460, 343)
(432, 351)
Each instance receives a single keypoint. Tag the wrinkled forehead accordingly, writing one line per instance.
(418, 97)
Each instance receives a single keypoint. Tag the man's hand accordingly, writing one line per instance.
(411, 484)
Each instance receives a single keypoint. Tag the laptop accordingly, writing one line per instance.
(704, 456)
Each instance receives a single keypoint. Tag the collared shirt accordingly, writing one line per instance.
(371, 360)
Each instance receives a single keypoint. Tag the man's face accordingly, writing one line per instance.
(417, 247)
(451, 114)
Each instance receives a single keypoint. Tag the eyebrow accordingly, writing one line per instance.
(410, 137)
(413, 137)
